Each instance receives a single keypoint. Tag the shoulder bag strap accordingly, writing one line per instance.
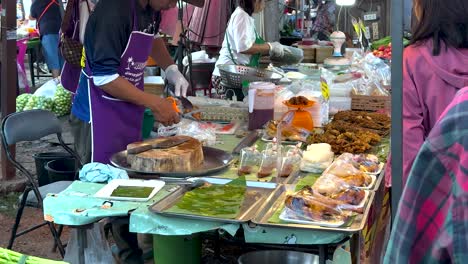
(44, 11)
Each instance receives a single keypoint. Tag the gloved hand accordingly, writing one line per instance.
(176, 78)
(276, 49)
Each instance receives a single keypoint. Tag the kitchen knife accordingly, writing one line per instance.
(168, 143)
(247, 141)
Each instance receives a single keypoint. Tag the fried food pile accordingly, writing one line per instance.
(379, 123)
(353, 131)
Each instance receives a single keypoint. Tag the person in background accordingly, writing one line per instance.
(324, 22)
(242, 45)
(48, 14)
(434, 70)
(431, 225)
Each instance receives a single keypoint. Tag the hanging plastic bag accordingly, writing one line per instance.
(47, 89)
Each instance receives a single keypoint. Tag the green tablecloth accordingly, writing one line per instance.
(77, 206)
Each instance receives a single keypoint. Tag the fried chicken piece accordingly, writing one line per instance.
(350, 196)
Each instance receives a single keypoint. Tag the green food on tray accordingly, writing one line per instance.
(132, 191)
(221, 201)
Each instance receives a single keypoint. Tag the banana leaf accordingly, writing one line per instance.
(220, 201)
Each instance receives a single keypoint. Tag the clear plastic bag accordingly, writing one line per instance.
(290, 161)
(338, 189)
(290, 56)
(249, 161)
(348, 172)
(368, 163)
(267, 164)
(317, 158)
(308, 205)
(190, 128)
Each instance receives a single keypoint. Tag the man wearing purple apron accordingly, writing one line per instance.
(119, 37)
(107, 111)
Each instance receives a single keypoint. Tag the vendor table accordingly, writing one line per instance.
(76, 206)
(34, 46)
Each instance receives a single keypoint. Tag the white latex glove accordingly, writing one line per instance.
(176, 78)
(276, 49)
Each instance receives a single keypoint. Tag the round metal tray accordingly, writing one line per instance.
(215, 160)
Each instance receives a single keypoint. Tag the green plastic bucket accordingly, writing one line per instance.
(148, 122)
(177, 249)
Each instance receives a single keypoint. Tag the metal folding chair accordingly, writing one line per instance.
(29, 126)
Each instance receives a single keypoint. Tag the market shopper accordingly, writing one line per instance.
(107, 111)
(48, 16)
(242, 45)
(431, 224)
(434, 69)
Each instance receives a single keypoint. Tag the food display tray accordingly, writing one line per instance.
(215, 161)
(276, 200)
(256, 193)
(106, 191)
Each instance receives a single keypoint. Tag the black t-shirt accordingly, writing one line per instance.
(108, 30)
(51, 20)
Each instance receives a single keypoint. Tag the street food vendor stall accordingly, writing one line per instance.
(297, 179)
(308, 172)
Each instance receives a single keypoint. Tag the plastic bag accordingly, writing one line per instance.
(307, 204)
(280, 96)
(290, 162)
(338, 189)
(267, 164)
(249, 161)
(22, 79)
(288, 131)
(364, 162)
(375, 68)
(317, 158)
(47, 89)
(190, 128)
(97, 249)
(290, 56)
(352, 176)
(371, 87)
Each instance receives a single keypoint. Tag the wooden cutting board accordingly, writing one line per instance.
(184, 157)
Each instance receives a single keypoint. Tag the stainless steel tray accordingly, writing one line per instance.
(215, 160)
(380, 179)
(276, 200)
(256, 193)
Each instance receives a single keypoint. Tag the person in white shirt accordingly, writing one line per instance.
(242, 45)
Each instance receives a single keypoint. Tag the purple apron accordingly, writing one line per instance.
(116, 123)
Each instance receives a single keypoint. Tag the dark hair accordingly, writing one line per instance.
(247, 5)
(442, 21)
